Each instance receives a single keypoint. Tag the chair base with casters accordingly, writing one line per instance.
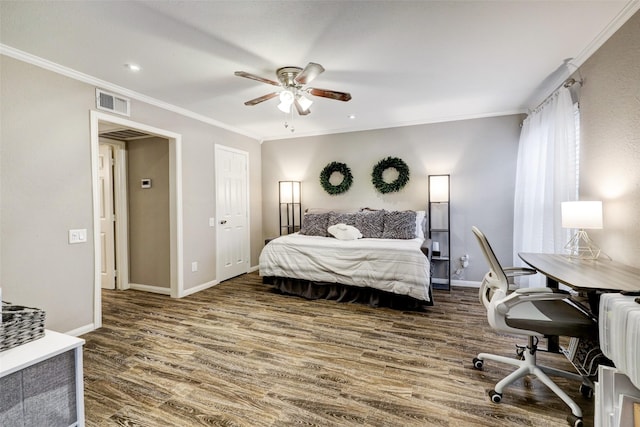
(527, 365)
(531, 312)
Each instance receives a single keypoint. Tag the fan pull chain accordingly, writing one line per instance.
(293, 129)
(290, 121)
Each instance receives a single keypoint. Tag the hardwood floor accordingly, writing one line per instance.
(239, 354)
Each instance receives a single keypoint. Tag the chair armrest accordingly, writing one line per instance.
(530, 294)
(518, 271)
(531, 291)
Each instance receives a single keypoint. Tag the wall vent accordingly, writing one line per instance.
(109, 102)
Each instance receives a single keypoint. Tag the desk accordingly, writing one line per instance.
(587, 275)
(582, 274)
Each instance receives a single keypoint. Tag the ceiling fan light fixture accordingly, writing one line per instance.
(286, 100)
(292, 82)
(284, 107)
(304, 102)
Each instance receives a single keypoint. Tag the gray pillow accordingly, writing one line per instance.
(399, 225)
(370, 223)
(315, 224)
(348, 218)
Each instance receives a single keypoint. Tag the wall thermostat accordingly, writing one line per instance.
(145, 183)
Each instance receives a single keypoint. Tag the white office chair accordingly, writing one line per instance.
(532, 312)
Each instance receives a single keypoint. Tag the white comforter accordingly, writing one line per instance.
(392, 265)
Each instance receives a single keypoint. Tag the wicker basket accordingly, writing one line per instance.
(20, 325)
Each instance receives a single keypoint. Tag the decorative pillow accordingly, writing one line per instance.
(327, 210)
(345, 232)
(315, 224)
(421, 221)
(348, 218)
(399, 225)
(370, 223)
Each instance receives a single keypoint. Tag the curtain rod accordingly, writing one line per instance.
(567, 84)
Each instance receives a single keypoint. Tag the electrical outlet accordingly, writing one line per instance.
(194, 266)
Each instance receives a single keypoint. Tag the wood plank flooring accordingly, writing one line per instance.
(239, 354)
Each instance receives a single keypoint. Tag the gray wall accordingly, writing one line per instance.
(149, 227)
(610, 156)
(480, 155)
(45, 176)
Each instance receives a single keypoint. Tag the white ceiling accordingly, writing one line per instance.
(404, 62)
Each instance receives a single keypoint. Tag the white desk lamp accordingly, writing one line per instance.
(582, 215)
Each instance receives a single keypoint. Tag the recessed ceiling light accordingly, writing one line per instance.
(352, 116)
(133, 67)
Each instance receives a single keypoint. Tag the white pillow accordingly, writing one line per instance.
(420, 224)
(344, 232)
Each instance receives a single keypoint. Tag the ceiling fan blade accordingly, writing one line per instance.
(332, 94)
(261, 99)
(310, 72)
(254, 77)
(300, 110)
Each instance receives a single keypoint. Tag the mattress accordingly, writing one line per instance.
(392, 265)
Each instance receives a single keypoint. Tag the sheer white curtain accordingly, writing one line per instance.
(546, 175)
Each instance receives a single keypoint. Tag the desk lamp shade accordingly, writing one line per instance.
(582, 215)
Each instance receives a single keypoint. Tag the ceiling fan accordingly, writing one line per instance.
(293, 81)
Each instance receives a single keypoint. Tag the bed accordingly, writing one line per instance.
(381, 269)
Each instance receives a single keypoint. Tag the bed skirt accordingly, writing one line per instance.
(345, 293)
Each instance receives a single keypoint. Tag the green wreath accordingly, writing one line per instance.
(384, 164)
(347, 178)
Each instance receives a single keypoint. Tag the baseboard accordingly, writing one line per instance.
(254, 268)
(150, 288)
(465, 283)
(198, 288)
(81, 330)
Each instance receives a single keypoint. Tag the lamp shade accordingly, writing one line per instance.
(289, 191)
(286, 99)
(304, 102)
(439, 188)
(582, 214)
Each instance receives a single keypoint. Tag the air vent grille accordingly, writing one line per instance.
(109, 102)
(124, 134)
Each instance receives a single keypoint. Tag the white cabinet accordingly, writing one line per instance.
(615, 399)
(42, 384)
(617, 391)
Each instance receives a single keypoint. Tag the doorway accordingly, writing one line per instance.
(176, 290)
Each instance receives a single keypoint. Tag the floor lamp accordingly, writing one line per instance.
(290, 207)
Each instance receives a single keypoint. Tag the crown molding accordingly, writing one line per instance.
(435, 120)
(623, 16)
(564, 72)
(103, 84)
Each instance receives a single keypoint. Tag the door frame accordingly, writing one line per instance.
(248, 206)
(175, 204)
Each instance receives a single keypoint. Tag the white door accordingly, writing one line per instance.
(231, 212)
(107, 234)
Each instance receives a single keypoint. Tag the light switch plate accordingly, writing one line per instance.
(78, 236)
